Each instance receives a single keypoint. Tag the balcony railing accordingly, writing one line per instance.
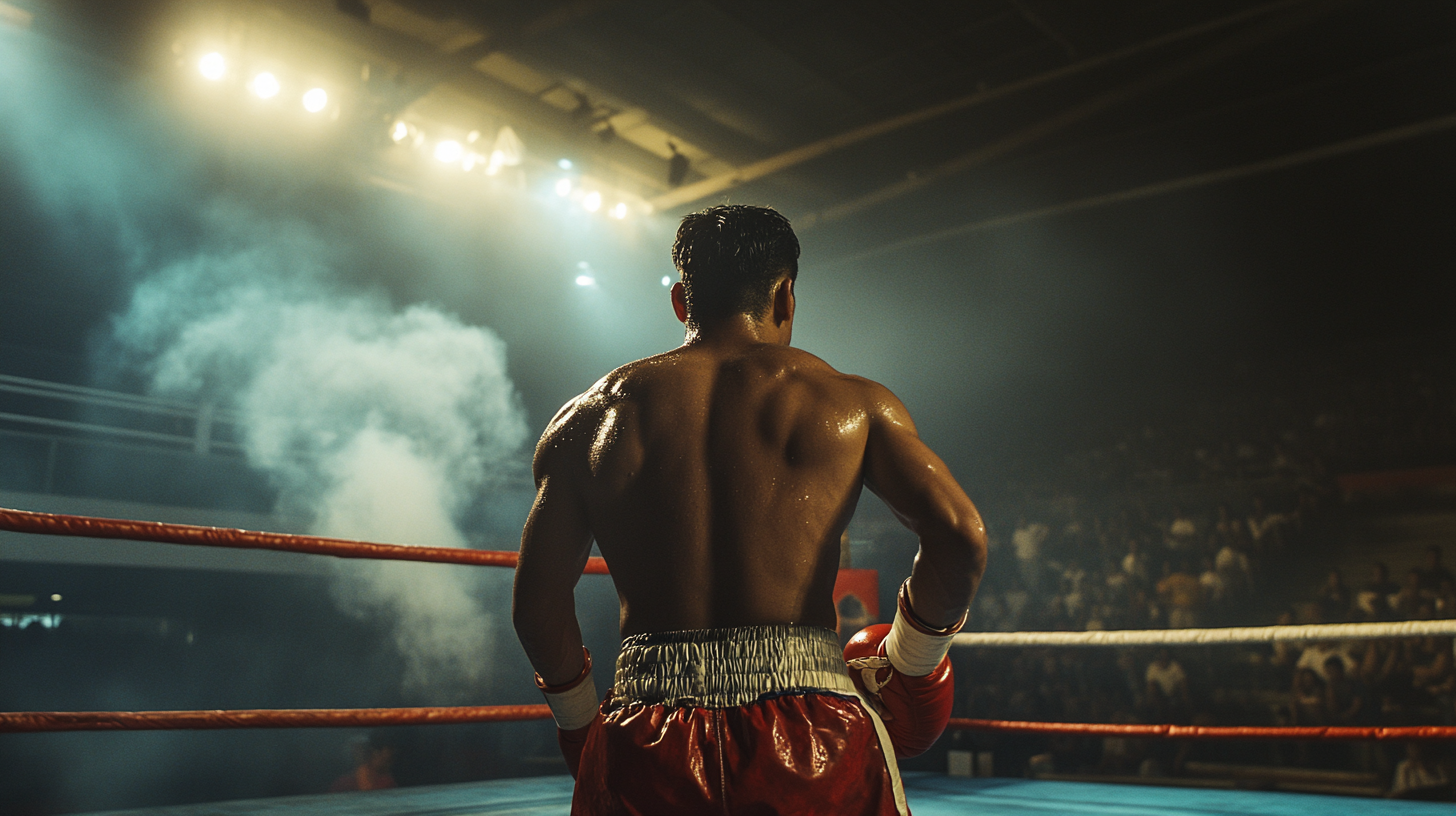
(202, 419)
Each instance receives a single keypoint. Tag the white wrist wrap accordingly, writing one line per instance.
(576, 707)
(912, 652)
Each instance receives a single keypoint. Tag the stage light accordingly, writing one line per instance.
(213, 66)
(265, 86)
(563, 187)
(592, 201)
(619, 211)
(399, 132)
(472, 136)
(56, 597)
(667, 280)
(315, 100)
(448, 151)
(564, 164)
(585, 280)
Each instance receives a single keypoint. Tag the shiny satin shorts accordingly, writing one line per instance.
(748, 720)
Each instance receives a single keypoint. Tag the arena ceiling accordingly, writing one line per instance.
(834, 110)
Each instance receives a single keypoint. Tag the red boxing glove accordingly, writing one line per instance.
(575, 706)
(903, 670)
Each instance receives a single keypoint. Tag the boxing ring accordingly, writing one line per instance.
(930, 794)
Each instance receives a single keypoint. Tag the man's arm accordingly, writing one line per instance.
(554, 548)
(918, 487)
(904, 667)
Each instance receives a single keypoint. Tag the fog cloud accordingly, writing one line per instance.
(373, 422)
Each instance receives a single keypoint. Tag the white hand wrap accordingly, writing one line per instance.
(912, 652)
(573, 705)
(913, 647)
(576, 707)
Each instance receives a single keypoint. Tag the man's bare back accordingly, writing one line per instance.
(732, 468)
(717, 479)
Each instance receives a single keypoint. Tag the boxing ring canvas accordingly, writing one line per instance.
(930, 794)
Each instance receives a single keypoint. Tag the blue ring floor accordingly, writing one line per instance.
(930, 794)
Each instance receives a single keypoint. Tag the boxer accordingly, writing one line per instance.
(716, 479)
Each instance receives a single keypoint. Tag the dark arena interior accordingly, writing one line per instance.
(1170, 285)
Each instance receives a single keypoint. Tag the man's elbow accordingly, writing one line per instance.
(961, 536)
(972, 533)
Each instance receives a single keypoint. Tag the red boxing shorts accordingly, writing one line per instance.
(749, 720)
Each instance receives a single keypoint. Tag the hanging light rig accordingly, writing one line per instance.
(470, 153)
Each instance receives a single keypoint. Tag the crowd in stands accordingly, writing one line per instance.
(1105, 547)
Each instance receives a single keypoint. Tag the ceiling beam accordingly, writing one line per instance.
(1081, 111)
(690, 193)
(448, 66)
(1314, 154)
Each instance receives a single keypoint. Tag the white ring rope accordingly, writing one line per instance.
(1203, 637)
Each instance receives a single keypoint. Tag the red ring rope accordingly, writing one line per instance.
(24, 521)
(33, 721)
(43, 721)
(1328, 732)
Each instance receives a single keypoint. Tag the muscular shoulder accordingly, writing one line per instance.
(570, 431)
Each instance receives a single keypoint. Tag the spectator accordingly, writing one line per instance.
(1432, 673)
(1074, 595)
(1344, 694)
(1373, 599)
(1182, 594)
(1406, 604)
(1333, 598)
(1446, 599)
(1265, 528)
(1026, 540)
(1143, 612)
(1433, 574)
(1225, 525)
(1135, 563)
(1418, 776)
(1317, 655)
(1282, 653)
(1307, 698)
(1213, 586)
(1233, 567)
(1181, 531)
(1116, 582)
(1306, 706)
(1386, 672)
(1167, 689)
(1015, 599)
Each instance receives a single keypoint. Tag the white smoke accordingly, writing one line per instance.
(375, 423)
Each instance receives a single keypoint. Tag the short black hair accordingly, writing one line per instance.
(729, 257)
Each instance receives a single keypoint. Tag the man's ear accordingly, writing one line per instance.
(679, 302)
(783, 301)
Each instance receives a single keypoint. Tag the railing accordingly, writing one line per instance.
(203, 418)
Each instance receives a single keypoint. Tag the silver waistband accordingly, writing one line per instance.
(717, 668)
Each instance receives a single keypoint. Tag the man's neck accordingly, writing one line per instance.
(738, 330)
